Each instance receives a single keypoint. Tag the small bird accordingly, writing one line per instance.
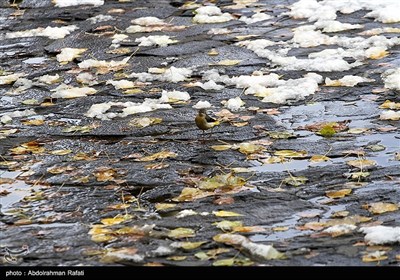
(204, 121)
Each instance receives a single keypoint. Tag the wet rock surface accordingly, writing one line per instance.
(81, 191)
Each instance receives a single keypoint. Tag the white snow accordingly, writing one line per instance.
(50, 32)
(340, 229)
(121, 84)
(202, 105)
(172, 96)
(347, 81)
(68, 3)
(69, 54)
(8, 79)
(149, 21)
(390, 115)
(211, 14)
(155, 40)
(391, 78)
(234, 104)
(377, 235)
(100, 18)
(210, 85)
(172, 74)
(255, 18)
(64, 91)
(186, 213)
(93, 63)
(7, 117)
(49, 79)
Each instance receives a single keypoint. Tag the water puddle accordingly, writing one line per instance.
(17, 190)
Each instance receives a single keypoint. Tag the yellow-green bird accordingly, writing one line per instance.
(204, 121)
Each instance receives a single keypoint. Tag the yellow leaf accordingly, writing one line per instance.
(358, 175)
(378, 54)
(159, 155)
(223, 213)
(181, 233)
(319, 158)
(224, 262)
(33, 122)
(280, 228)
(226, 62)
(390, 105)
(228, 225)
(116, 220)
(221, 147)
(60, 152)
(221, 181)
(133, 91)
(340, 214)
(191, 194)
(239, 124)
(382, 207)
(213, 52)
(250, 148)
(103, 238)
(361, 163)
(118, 206)
(291, 154)
(99, 229)
(338, 194)
(164, 206)
(190, 245)
(327, 131)
(295, 181)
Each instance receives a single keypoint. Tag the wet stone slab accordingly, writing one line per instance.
(80, 190)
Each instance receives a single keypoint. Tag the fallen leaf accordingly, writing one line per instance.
(250, 148)
(361, 163)
(61, 152)
(188, 245)
(223, 213)
(156, 166)
(144, 122)
(228, 181)
(179, 233)
(319, 158)
(382, 207)
(280, 134)
(177, 258)
(164, 206)
(390, 105)
(291, 154)
(224, 262)
(34, 122)
(295, 181)
(221, 147)
(159, 155)
(327, 131)
(340, 214)
(225, 200)
(104, 174)
(228, 225)
(116, 220)
(114, 255)
(338, 194)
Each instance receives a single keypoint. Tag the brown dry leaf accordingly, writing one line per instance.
(382, 207)
(226, 115)
(33, 122)
(247, 229)
(4, 192)
(319, 158)
(60, 152)
(22, 222)
(104, 174)
(159, 155)
(225, 200)
(6, 181)
(338, 194)
(179, 233)
(375, 256)
(312, 226)
(33, 147)
(337, 126)
(291, 154)
(223, 213)
(361, 163)
(60, 169)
